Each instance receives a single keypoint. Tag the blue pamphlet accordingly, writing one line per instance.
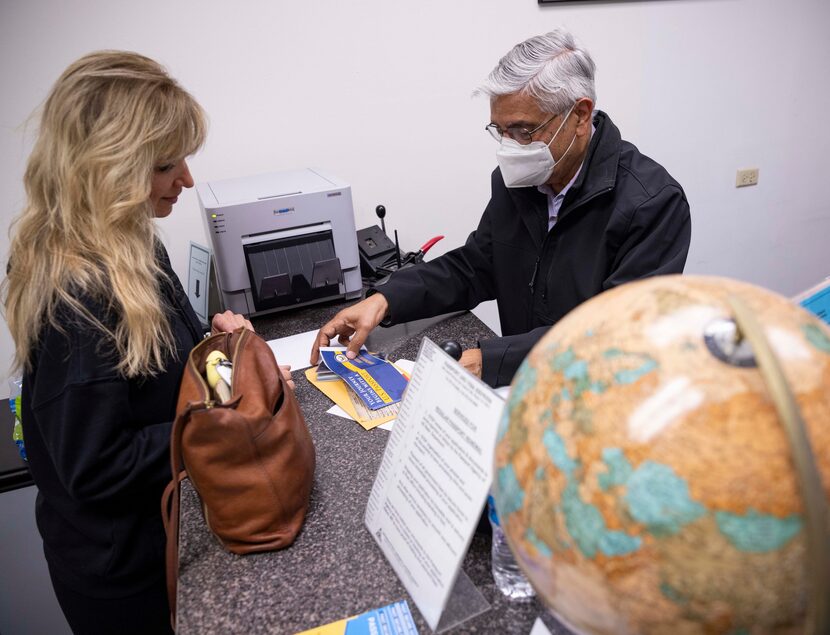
(394, 619)
(817, 300)
(377, 382)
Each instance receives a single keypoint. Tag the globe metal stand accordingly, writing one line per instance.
(809, 479)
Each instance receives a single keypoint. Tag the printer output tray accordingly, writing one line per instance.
(291, 270)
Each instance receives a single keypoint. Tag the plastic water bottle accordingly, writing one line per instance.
(507, 575)
(15, 390)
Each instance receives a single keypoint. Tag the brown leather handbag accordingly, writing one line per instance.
(251, 458)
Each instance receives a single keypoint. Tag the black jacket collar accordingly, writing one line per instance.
(599, 171)
(598, 175)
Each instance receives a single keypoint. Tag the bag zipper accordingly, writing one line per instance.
(207, 405)
(207, 401)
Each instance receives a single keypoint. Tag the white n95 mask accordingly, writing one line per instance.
(531, 164)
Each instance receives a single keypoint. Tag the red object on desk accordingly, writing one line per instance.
(428, 245)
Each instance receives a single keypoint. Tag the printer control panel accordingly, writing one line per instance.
(217, 223)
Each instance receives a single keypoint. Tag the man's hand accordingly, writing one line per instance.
(471, 360)
(228, 322)
(352, 326)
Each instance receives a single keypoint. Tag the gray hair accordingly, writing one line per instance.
(551, 68)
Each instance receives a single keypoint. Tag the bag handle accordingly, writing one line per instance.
(170, 509)
(166, 511)
(171, 498)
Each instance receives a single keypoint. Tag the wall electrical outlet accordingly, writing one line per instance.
(746, 177)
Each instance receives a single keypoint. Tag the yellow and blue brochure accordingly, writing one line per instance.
(377, 382)
(394, 619)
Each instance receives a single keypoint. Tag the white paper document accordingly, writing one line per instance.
(434, 477)
(293, 350)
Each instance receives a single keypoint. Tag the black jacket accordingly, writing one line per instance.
(99, 450)
(624, 218)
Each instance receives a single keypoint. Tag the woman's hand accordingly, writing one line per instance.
(286, 375)
(227, 322)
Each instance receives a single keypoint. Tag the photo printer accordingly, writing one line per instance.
(281, 240)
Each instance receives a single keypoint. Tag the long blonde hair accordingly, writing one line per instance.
(87, 229)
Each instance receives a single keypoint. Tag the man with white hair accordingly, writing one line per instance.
(575, 210)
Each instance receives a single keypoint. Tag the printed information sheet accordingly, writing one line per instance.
(434, 477)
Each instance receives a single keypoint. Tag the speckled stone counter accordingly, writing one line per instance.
(334, 569)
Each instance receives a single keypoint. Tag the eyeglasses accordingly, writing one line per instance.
(522, 136)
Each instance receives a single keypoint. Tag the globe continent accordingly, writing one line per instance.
(645, 485)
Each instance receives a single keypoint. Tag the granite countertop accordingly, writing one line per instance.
(334, 569)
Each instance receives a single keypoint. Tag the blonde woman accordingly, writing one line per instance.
(102, 328)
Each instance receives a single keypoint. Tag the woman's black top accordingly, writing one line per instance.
(98, 448)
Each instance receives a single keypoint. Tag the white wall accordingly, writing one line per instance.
(378, 92)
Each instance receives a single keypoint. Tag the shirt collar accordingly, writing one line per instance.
(548, 190)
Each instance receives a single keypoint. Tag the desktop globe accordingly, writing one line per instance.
(642, 475)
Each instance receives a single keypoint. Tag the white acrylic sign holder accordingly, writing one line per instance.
(432, 484)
